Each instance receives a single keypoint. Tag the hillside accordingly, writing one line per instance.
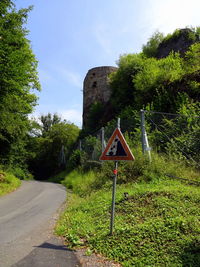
(157, 219)
(156, 223)
(163, 76)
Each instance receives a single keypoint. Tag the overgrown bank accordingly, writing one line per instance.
(8, 183)
(157, 223)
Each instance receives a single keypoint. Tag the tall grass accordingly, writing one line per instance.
(156, 224)
(8, 183)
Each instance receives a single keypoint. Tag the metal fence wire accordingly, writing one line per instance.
(174, 134)
(177, 135)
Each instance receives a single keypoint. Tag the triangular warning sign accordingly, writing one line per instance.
(117, 148)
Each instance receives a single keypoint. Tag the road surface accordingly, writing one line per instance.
(27, 218)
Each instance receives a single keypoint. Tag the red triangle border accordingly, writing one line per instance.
(129, 156)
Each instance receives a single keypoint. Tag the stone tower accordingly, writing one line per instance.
(96, 88)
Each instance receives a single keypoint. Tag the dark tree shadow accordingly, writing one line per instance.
(191, 255)
(52, 253)
(53, 246)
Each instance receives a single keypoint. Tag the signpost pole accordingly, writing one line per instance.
(114, 190)
(113, 199)
(116, 149)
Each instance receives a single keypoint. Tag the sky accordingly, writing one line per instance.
(69, 37)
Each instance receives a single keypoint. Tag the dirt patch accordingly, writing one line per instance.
(2, 177)
(94, 260)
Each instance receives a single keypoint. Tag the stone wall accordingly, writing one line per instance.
(96, 88)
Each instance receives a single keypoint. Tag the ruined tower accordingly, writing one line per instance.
(96, 88)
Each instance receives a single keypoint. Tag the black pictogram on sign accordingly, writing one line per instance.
(117, 148)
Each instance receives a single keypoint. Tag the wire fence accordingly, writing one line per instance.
(177, 135)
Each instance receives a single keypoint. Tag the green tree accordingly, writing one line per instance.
(94, 117)
(121, 81)
(192, 58)
(18, 68)
(150, 49)
(47, 121)
(46, 147)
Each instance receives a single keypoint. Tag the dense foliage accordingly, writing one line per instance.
(168, 85)
(142, 81)
(26, 145)
(8, 182)
(18, 78)
(157, 201)
(156, 223)
(51, 145)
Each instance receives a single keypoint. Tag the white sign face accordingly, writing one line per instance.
(116, 148)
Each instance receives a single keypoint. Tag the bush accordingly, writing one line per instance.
(150, 49)
(19, 173)
(8, 182)
(79, 182)
(76, 159)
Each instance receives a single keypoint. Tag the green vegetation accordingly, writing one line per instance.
(17, 81)
(8, 183)
(27, 147)
(157, 220)
(156, 224)
(191, 34)
(150, 49)
(50, 145)
(95, 115)
(141, 81)
(157, 214)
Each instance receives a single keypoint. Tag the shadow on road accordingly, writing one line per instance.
(53, 246)
(52, 253)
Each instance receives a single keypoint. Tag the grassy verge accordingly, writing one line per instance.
(156, 224)
(8, 183)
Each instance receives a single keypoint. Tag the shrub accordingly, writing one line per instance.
(76, 159)
(22, 174)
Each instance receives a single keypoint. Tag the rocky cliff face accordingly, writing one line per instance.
(96, 88)
(179, 42)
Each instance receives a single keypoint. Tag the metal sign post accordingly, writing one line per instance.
(116, 149)
(113, 198)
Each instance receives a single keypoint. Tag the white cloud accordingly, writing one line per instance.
(168, 15)
(72, 115)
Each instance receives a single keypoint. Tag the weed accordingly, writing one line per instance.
(8, 183)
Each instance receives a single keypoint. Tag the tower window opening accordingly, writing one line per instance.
(94, 85)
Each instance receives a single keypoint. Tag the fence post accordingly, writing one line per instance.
(102, 139)
(118, 123)
(145, 143)
(142, 129)
(80, 145)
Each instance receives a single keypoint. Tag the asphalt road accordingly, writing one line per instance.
(27, 218)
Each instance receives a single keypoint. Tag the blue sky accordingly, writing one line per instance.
(69, 37)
